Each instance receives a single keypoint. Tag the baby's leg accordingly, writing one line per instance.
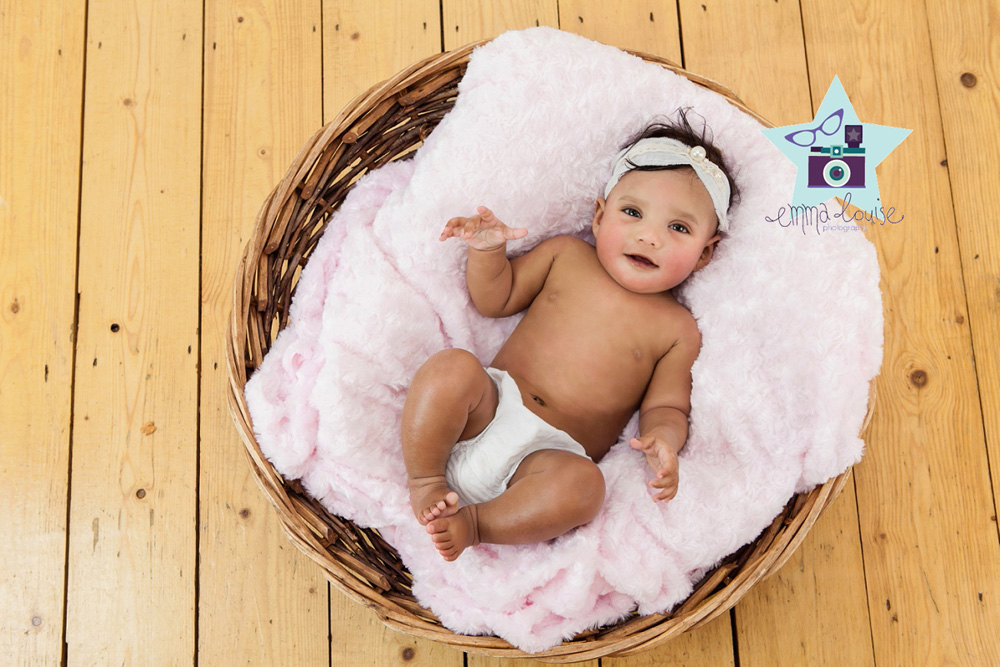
(451, 398)
(552, 492)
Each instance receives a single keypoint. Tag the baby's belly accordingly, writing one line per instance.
(595, 424)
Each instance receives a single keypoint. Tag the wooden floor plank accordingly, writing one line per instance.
(814, 609)
(965, 65)
(364, 43)
(467, 21)
(132, 520)
(710, 645)
(367, 42)
(41, 94)
(650, 26)
(932, 560)
(261, 601)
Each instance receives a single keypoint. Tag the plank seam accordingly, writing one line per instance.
(805, 54)
(736, 637)
(680, 32)
(864, 569)
(441, 19)
(198, 367)
(64, 658)
(322, 116)
(322, 71)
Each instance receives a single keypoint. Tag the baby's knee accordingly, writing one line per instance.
(448, 371)
(583, 489)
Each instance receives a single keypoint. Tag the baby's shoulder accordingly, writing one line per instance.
(571, 252)
(674, 325)
(571, 242)
(576, 250)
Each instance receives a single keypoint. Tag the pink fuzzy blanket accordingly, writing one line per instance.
(791, 323)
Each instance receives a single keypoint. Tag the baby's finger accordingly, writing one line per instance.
(511, 234)
(662, 482)
(669, 469)
(451, 227)
(471, 226)
(667, 494)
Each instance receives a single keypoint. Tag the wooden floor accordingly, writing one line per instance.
(137, 140)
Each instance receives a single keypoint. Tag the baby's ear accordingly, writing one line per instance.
(598, 212)
(707, 252)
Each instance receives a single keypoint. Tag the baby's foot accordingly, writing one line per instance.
(431, 498)
(453, 534)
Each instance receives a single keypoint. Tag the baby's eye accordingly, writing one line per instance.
(628, 210)
(679, 227)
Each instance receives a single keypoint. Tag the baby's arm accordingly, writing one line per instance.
(663, 414)
(500, 287)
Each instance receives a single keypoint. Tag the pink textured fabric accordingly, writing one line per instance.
(791, 323)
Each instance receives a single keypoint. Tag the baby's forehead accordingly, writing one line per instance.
(677, 180)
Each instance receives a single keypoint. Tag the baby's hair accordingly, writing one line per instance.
(682, 131)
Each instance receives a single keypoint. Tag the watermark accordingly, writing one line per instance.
(836, 155)
(820, 219)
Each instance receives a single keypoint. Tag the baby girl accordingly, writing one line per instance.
(507, 454)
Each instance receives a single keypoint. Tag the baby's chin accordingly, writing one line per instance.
(644, 285)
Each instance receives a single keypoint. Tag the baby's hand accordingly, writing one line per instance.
(483, 231)
(662, 458)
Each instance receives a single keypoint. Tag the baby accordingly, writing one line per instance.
(507, 454)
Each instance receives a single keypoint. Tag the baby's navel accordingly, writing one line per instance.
(637, 353)
(553, 296)
(538, 400)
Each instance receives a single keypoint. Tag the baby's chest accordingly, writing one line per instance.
(599, 327)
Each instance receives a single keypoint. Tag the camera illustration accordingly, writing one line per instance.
(839, 166)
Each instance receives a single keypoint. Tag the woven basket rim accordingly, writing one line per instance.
(310, 527)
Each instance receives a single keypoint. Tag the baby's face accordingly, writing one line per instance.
(655, 229)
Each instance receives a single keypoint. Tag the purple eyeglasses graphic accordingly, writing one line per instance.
(799, 137)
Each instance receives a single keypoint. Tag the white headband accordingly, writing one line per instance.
(664, 152)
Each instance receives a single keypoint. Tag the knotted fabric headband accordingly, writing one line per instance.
(664, 152)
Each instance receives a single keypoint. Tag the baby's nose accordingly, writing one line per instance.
(649, 238)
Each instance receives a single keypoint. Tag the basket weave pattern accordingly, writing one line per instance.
(386, 123)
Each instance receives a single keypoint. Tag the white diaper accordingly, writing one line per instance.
(480, 467)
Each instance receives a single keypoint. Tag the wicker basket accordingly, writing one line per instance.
(383, 124)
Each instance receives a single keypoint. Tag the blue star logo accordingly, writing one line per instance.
(836, 154)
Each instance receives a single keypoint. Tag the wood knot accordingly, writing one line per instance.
(245, 513)
(128, 101)
(918, 378)
(140, 494)
(408, 653)
(968, 79)
(36, 621)
(115, 328)
(15, 307)
(959, 319)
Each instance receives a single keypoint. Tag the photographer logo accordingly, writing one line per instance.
(836, 156)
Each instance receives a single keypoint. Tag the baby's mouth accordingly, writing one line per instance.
(639, 260)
